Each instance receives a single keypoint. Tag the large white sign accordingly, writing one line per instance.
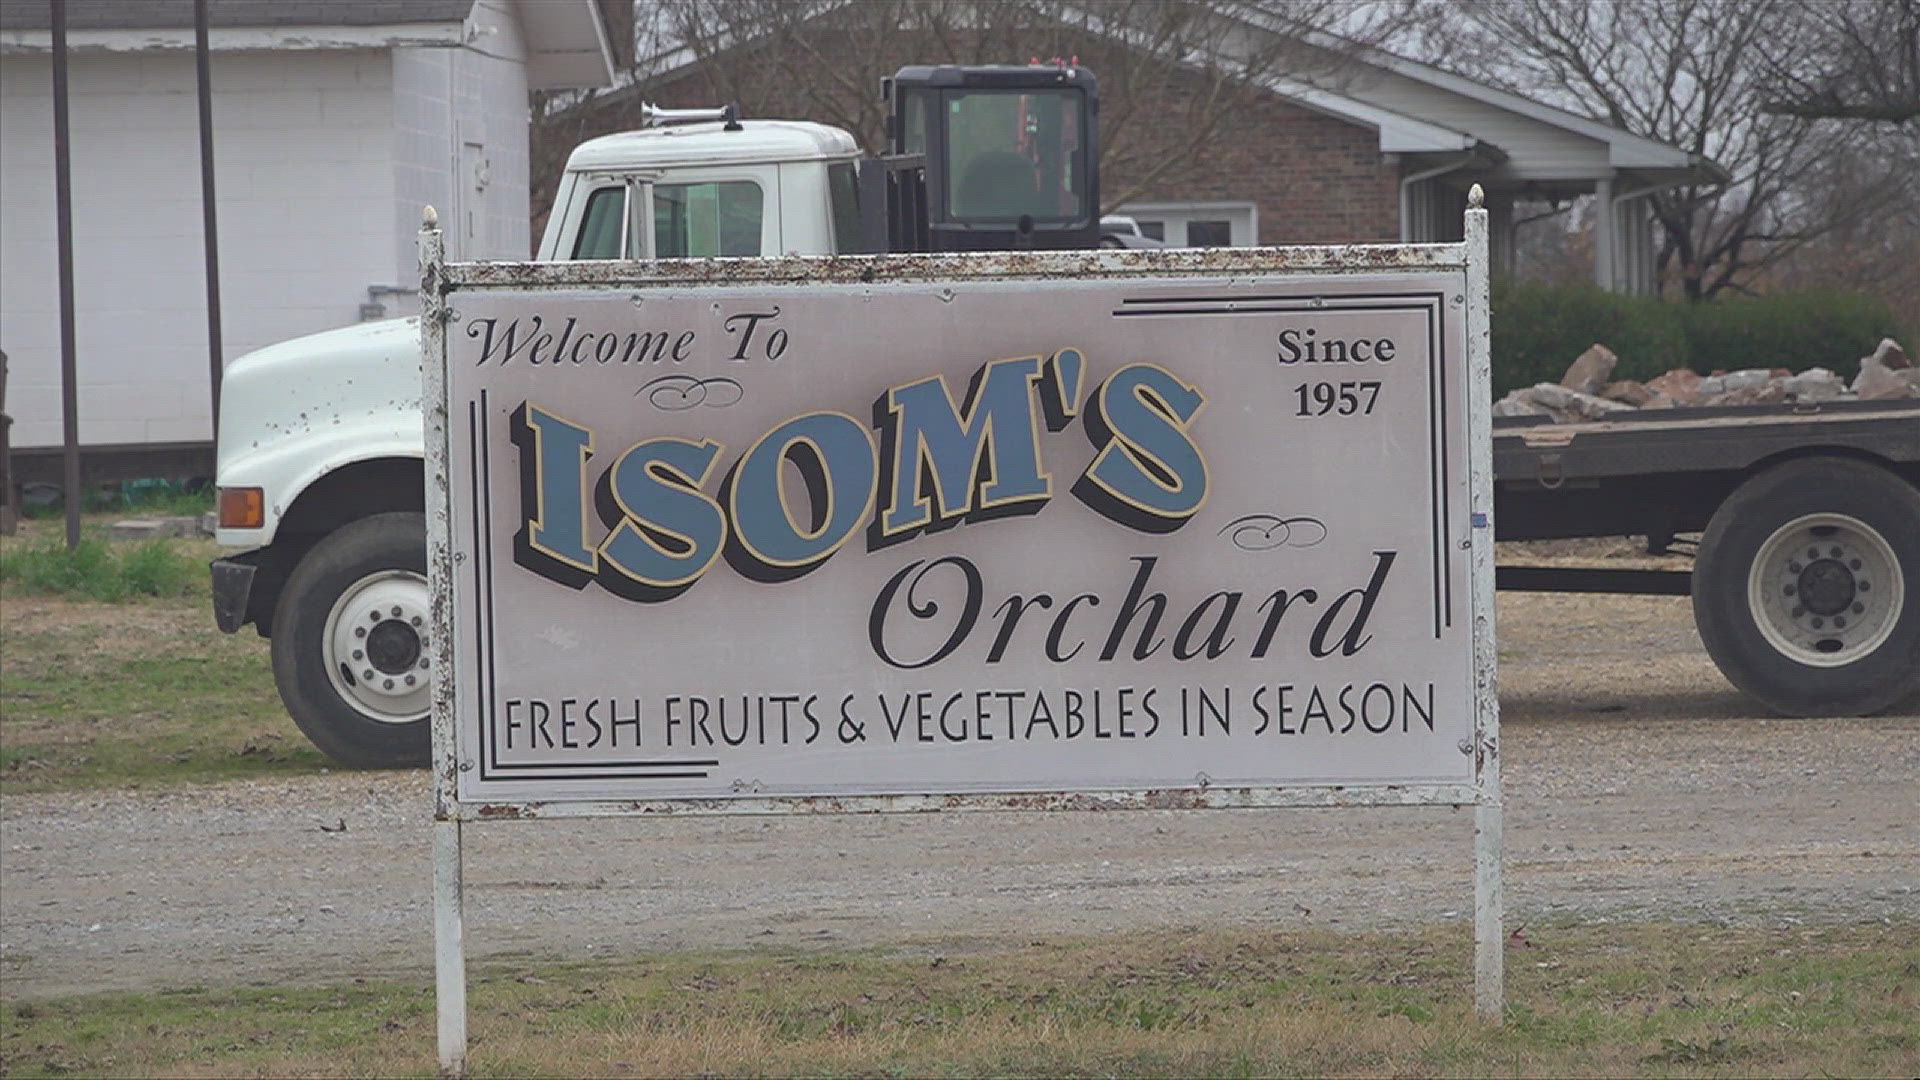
(1119, 532)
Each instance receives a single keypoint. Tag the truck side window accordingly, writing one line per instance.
(914, 139)
(843, 190)
(696, 220)
(602, 224)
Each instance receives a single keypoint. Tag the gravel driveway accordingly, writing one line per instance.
(1639, 784)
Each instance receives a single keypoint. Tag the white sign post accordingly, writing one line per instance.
(1061, 530)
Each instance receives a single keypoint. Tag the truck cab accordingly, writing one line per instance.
(727, 188)
(1012, 153)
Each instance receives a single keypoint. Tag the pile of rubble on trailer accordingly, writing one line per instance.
(1588, 392)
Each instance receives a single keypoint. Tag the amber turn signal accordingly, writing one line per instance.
(242, 508)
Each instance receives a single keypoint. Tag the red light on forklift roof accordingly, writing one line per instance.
(242, 508)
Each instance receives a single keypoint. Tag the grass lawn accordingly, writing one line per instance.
(139, 689)
(1634, 1000)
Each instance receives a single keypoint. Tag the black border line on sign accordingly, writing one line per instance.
(1434, 307)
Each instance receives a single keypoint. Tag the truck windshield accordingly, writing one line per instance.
(1015, 153)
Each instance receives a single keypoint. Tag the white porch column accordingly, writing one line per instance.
(1634, 219)
(1501, 244)
(1606, 236)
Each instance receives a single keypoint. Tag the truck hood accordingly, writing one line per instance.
(347, 378)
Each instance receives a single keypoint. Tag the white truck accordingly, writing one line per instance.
(1808, 584)
(320, 450)
(320, 442)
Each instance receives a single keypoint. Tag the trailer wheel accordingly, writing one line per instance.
(349, 640)
(1807, 588)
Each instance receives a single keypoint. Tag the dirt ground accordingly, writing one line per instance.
(1639, 785)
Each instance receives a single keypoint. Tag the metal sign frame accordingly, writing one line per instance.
(441, 281)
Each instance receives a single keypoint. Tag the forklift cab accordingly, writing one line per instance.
(1010, 153)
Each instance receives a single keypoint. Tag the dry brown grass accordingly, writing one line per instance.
(1653, 1000)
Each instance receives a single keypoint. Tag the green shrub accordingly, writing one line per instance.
(156, 569)
(48, 567)
(95, 570)
(1795, 330)
(1539, 329)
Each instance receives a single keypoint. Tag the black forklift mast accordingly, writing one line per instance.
(986, 158)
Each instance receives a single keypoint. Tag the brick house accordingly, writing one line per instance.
(1383, 150)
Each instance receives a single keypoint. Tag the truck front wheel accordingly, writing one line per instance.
(1805, 588)
(350, 640)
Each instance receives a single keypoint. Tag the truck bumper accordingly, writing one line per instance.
(232, 588)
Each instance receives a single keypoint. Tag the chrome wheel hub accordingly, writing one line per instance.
(375, 645)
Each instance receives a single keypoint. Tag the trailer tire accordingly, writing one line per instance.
(349, 639)
(1806, 591)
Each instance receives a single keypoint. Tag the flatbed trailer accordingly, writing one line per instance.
(1806, 576)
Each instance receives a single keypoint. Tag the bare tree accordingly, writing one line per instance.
(1553, 240)
(1873, 255)
(1694, 74)
(1846, 60)
(1172, 72)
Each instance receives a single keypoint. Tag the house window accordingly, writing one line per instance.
(1208, 224)
(1209, 234)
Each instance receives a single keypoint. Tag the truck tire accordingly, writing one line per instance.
(349, 640)
(1807, 588)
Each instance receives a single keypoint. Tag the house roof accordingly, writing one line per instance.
(567, 42)
(1399, 133)
(1625, 149)
(177, 14)
(1543, 144)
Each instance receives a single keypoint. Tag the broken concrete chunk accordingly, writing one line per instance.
(1567, 404)
(1875, 380)
(1887, 375)
(152, 528)
(1765, 393)
(1876, 383)
(1629, 392)
(1891, 355)
(1681, 385)
(1590, 372)
(1514, 404)
(1814, 384)
(1745, 379)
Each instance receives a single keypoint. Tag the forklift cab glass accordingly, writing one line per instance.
(1014, 154)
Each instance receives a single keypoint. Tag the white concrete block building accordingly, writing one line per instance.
(334, 122)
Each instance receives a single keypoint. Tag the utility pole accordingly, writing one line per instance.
(63, 224)
(215, 365)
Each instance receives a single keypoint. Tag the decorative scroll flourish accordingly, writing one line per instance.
(1265, 532)
(677, 393)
